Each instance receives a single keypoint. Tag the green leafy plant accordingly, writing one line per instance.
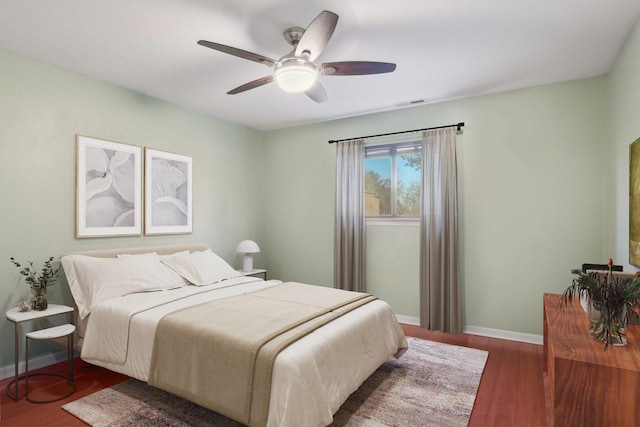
(612, 296)
(47, 276)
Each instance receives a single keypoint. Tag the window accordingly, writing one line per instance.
(392, 180)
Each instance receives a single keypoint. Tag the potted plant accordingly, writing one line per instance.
(39, 281)
(610, 299)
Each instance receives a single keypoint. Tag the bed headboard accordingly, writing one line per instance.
(112, 253)
(160, 250)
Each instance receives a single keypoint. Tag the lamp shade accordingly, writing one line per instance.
(294, 75)
(248, 247)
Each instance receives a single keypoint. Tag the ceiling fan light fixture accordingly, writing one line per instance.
(294, 75)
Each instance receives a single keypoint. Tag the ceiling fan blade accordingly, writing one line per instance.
(317, 93)
(356, 68)
(251, 85)
(238, 52)
(317, 35)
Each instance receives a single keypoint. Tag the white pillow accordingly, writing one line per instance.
(201, 268)
(93, 280)
(179, 280)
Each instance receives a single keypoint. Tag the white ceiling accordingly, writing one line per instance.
(444, 49)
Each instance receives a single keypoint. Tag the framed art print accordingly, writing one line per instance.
(108, 188)
(168, 193)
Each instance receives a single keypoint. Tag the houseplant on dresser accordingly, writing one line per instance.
(610, 298)
(39, 280)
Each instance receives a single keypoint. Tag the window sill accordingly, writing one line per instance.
(393, 221)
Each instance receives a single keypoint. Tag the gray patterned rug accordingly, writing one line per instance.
(432, 384)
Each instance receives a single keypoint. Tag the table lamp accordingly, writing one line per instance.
(247, 247)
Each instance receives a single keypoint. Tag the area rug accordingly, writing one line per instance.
(432, 384)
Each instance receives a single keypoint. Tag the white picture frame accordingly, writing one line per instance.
(108, 188)
(168, 193)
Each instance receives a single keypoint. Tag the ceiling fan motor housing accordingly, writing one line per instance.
(293, 35)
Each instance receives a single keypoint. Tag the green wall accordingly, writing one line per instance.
(530, 162)
(42, 107)
(624, 128)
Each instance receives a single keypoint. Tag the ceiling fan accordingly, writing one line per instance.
(297, 71)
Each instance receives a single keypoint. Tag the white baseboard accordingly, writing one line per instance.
(35, 363)
(505, 335)
(483, 332)
(409, 320)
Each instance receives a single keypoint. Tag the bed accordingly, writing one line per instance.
(131, 304)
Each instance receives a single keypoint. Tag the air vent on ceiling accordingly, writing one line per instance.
(411, 103)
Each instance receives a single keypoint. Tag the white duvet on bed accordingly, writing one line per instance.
(311, 378)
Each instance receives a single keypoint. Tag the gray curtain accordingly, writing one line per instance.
(348, 247)
(440, 307)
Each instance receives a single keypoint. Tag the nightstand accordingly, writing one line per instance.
(255, 272)
(17, 317)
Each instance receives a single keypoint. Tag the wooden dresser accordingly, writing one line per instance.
(586, 385)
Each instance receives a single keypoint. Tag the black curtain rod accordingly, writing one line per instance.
(458, 126)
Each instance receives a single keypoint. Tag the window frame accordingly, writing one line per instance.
(391, 150)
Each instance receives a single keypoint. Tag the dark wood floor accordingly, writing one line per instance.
(511, 391)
